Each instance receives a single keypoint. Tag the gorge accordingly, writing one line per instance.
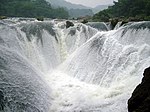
(46, 67)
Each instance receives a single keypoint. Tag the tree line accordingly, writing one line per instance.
(31, 8)
(126, 10)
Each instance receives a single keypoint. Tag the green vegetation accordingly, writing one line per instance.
(30, 8)
(129, 10)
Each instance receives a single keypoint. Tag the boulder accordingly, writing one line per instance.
(124, 22)
(69, 24)
(140, 99)
(3, 17)
(84, 21)
(40, 18)
(114, 22)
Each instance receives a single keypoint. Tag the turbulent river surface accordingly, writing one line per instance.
(46, 67)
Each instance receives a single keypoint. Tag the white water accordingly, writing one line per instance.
(98, 74)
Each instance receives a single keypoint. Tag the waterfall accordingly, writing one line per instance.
(101, 26)
(114, 61)
(109, 53)
(45, 66)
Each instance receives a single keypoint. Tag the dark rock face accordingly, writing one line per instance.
(1, 101)
(114, 22)
(40, 18)
(140, 100)
(69, 24)
(84, 21)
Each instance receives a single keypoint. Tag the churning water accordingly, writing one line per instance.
(45, 67)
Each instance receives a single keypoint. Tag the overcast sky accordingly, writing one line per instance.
(91, 3)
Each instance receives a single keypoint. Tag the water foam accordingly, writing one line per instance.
(99, 69)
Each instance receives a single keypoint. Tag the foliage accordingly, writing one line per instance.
(126, 9)
(30, 8)
(102, 16)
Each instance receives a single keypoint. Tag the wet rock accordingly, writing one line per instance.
(123, 23)
(1, 101)
(69, 24)
(114, 22)
(3, 17)
(40, 18)
(84, 21)
(140, 100)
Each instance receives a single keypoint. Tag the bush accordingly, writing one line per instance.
(147, 18)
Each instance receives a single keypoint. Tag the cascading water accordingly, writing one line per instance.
(98, 73)
(22, 89)
(73, 37)
(115, 61)
(101, 26)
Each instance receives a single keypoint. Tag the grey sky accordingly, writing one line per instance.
(91, 3)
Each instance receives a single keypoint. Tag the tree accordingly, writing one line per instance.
(30, 8)
(126, 9)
